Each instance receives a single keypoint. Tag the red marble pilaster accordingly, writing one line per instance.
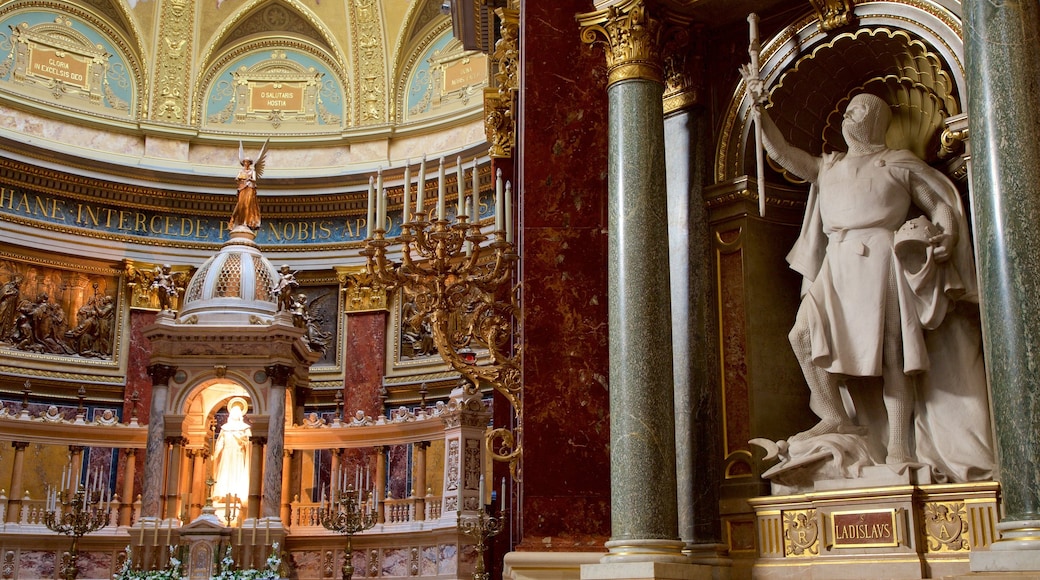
(363, 377)
(562, 170)
(137, 380)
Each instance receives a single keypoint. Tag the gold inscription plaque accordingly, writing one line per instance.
(864, 529)
(58, 65)
(276, 96)
(465, 72)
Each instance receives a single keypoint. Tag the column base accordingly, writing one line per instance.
(663, 551)
(1017, 550)
(646, 571)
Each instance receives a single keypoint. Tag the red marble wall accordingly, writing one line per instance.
(365, 362)
(562, 169)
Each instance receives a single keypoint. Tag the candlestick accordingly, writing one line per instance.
(420, 190)
(406, 204)
(440, 190)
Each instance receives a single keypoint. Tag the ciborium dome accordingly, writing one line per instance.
(232, 287)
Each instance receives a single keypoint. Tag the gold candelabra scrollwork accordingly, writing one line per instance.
(481, 528)
(75, 515)
(350, 514)
(462, 284)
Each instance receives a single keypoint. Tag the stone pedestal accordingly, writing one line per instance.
(904, 531)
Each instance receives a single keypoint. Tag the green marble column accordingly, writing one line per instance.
(1002, 55)
(644, 523)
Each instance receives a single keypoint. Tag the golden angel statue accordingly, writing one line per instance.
(247, 209)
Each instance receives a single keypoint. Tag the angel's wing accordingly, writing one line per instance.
(315, 300)
(261, 159)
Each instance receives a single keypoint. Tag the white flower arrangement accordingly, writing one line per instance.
(227, 568)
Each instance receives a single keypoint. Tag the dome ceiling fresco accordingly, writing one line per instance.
(183, 80)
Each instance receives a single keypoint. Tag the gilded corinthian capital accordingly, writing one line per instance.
(632, 38)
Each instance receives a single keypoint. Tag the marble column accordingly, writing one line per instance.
(256, 474)
(285, 510)
(175, 448)
(197, 483)
(335, 466)
(76, 463)
(272, 505)
(155, 446)
(381, 482)
(14, 505)
(1002, 57)
(642, 428)
(126, 496)
(419, 489)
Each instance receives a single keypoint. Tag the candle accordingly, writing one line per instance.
(509, 212)
(480, 493)
(499, 201)
(405, 205)
(381, 193)
(368, 477)
(476, 192)
(502, 497)
(155, 538)
(461, 178)
(371, 208)
(420, 189)
(169, 527)
(440, 191)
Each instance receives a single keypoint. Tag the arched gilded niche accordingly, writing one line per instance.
(66, 57)
(440, 78)
(904, 52)
(245, 40)
(273, 89)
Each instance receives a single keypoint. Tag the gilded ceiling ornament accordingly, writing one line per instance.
(632, 38)
(170, 101)
(370, 99)
(833, 13)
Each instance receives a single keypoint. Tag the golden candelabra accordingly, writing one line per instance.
(75, 516)
(481, 528)
(463, 287)
(348, 515)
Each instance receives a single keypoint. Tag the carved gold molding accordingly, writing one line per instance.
(632, 37)
(171, 94)
(833, 13)
(361, 292)
(366, 18)
(683, 66)
(500, 99)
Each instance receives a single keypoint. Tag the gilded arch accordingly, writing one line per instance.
(905, 52)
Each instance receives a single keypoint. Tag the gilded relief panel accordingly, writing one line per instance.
(53, 311)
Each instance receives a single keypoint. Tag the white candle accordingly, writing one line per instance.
(509, 212)
(371, 208)
(406, 204)
(461, 178)
(502, 497)
(420, 190)
(382, 200)
(440, 191)
(499, 201)
(480, 493)
(476, 192)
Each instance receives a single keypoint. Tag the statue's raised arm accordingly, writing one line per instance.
(247, 209)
